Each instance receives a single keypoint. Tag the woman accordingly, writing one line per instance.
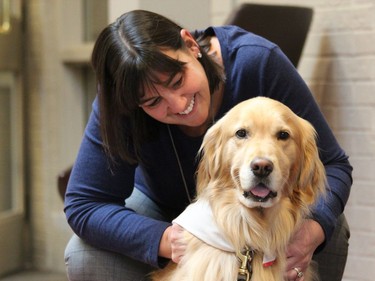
(159, 89)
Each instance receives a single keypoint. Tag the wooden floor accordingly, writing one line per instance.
(35, 276)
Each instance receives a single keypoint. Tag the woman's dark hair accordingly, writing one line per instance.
(126, 58)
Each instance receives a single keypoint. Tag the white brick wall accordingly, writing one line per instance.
(339, 66)
(342, 44)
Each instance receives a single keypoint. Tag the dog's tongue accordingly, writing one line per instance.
(260, 191)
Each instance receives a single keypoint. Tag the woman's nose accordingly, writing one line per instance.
(176, 103)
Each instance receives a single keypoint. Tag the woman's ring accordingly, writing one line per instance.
(299, 273)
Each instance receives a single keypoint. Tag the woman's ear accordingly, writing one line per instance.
(190, 42)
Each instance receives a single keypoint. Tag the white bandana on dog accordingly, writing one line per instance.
(199, 214)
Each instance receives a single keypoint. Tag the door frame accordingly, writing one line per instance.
(12, 218)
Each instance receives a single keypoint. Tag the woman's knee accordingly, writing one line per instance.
(87, 263)
(332, 259)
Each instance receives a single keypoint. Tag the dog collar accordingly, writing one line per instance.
(199, 221)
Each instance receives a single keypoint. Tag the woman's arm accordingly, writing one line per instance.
(94, 203)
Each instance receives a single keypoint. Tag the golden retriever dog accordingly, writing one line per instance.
(258, 176)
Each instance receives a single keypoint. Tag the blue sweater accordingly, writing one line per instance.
(95, 196)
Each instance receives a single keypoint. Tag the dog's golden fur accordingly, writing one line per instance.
(284, 147)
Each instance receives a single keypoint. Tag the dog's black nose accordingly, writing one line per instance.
(261, 167)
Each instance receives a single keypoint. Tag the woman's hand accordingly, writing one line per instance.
(178, 243)
(301, 248)
(172, 244)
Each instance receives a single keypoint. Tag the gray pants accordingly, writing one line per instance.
(87, 263)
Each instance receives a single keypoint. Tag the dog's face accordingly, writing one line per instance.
(265, 152)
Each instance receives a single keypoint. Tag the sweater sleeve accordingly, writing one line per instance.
(282, 82)
(94, 203)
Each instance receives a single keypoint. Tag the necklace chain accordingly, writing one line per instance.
(179, 164)
(178, 158)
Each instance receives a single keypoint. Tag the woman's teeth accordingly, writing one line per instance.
(190, 107)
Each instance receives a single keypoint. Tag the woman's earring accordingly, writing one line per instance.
(199, 55)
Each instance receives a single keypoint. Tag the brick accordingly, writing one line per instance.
(337, 93)
(355, 269)
(354, 118)
(360, 218)
(345, 18)
(363, 168)
(362, 194)
(364, 92)
(224, 7)
(357, 248)
(357, 144)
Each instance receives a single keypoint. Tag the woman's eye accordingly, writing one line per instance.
(283, 135)
(154, 102)
(178, 83)
(241, 134)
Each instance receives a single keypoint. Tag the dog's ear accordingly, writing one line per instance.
(312, 178)
(210, 155)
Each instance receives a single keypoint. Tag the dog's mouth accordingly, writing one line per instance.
(260, 193)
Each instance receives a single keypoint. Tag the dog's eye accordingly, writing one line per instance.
(283, 135)
(241, 134)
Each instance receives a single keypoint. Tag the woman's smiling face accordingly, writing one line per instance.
(183, 99)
